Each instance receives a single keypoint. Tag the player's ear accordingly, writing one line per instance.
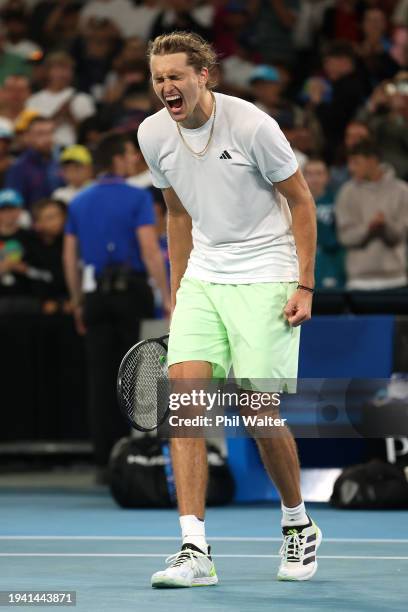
(203, 77)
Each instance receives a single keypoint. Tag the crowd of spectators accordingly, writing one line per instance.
(333, 73)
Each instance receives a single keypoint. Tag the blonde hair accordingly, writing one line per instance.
(200, 53)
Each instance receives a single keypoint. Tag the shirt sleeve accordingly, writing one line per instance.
(159, 180)
(272, 153)
(82, 106)
(143, 212)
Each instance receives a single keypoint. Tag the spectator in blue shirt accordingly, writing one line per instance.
(35, 173)
(111, 230)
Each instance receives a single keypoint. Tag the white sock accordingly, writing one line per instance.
(294, 516)
(193, 531)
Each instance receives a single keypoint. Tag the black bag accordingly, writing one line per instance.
(375, 485)
(221, 485)
(141, 475)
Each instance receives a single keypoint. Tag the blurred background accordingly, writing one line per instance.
(332, 73)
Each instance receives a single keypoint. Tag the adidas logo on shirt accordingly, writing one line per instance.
(225, 155)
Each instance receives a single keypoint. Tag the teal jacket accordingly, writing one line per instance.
(330, 270)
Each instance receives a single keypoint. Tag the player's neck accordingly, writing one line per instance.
(201, 113)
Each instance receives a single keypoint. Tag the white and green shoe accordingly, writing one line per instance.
(298, 551)
(187, 568)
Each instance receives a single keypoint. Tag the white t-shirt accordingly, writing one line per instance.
(237, 71)
(47, 103)
(24, 48)
(241, 224)
(67, 194)
(120, 12)
(141, 21)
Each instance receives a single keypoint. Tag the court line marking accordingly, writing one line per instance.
(161, 555)
(177, 539)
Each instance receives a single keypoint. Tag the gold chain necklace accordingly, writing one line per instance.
(204, 151)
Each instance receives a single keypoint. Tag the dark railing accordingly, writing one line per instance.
(43, 394)
(43, 379)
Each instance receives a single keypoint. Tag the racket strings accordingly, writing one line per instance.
(145, 385)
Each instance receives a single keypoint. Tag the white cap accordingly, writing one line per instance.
(6, 128)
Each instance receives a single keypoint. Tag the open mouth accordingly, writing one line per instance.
(174, 102)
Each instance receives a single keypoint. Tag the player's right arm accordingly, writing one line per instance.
(179, 239)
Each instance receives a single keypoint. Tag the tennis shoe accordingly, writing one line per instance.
(187, 568)
(298, 551)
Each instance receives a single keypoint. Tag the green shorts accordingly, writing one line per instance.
(237, 325)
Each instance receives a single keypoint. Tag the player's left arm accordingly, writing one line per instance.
(303, 210)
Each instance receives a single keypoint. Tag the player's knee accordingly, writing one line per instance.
(184, 444)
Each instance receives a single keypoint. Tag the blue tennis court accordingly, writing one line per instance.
(81, 541)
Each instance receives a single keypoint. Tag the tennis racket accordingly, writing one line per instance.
(143, 386)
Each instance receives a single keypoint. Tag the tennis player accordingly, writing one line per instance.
(242, 233)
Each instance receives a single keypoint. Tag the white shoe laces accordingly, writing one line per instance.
(182, 556)
(292, 547)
